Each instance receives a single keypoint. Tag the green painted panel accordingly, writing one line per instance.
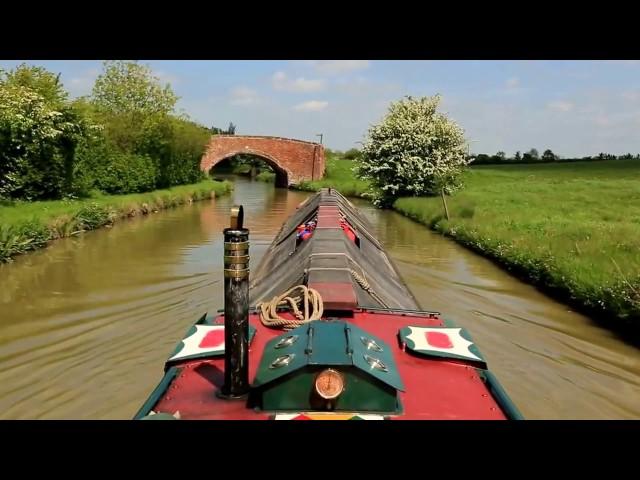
(361, 394)
(317, 346)
(329, 344)
(265, 374)
(360, 349)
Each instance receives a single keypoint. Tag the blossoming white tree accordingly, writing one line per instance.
(415, 150)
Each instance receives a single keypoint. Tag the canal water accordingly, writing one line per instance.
(86, 324)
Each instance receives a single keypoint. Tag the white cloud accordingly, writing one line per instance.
(280, 81)
(560, 106)
(311, 106)
(244, 96)
(602, 120)
(335, 67)
(631, 95)
(513, 82)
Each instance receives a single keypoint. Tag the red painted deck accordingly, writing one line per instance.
(435, 388)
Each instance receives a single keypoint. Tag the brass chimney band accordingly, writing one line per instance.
(236, 260)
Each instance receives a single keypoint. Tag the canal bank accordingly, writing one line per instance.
(26, 226)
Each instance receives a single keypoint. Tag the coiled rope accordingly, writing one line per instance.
(307, 306)
(311, 308)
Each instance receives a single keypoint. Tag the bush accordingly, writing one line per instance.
(16, 239)
(352, 154)
(414, 151)
(126, 173)
(37, 143)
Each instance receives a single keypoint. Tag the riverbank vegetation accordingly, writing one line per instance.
(123, 138)
(339, 174)
(63, 161)
(27, 226)
(247, 166)
(573, 229)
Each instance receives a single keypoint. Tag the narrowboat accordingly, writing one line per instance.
(324, 329)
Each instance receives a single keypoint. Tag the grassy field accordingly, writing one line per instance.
(573, 229)
(26, 226)
(339, 176)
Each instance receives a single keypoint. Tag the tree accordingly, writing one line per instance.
(549, 156)
(231, 130)
(481, 158)
(517, 157)
(39, 80)
(37, 144)
(533, 153)
(128, 87)
(134, 108)
(501, 156)
(415, 150)
(352, 154)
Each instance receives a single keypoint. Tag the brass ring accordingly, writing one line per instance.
(236, 274)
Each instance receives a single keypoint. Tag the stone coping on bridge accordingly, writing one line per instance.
(268, 137)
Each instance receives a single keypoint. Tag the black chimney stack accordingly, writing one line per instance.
(236, 307)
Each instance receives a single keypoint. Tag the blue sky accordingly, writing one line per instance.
(575, 108)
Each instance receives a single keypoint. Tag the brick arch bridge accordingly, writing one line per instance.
(293, 160)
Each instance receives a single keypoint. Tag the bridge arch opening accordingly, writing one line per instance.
(255, 163)
(293, 161)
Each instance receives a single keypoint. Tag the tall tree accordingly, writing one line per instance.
(533, 153)
(415, 150)
(37, 144)
(129, 87)
(132, 104)
(549, 156)
(39, 80)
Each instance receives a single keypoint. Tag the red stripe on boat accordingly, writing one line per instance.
(438, 340)
(213, 339)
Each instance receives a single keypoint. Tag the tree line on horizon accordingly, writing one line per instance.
(532, 156)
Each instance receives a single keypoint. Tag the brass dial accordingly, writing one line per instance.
(329, 384)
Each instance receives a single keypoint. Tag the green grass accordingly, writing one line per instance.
(571, 228)
(266, 176)
(26, 226)
(338, 175)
